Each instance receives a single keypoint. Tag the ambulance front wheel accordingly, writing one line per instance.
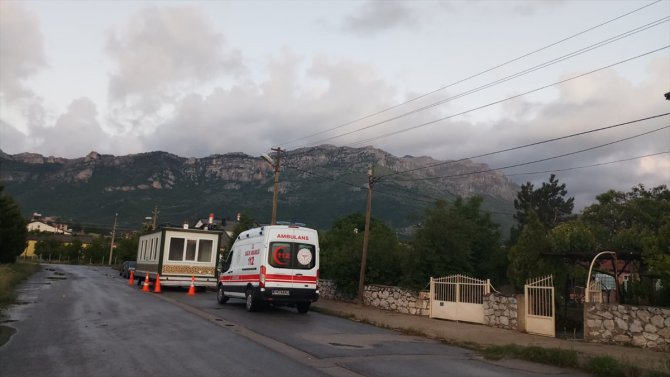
(220, 296)
(303, 307)
(251, 304)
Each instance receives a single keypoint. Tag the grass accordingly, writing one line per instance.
(552, 356)
(600, 366)
(10, 276)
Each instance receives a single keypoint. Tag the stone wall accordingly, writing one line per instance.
(500, 311)
(640, 326)
(382, 297)
(396, 299)
(328, 290)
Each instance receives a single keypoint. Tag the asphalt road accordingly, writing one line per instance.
(76, 321)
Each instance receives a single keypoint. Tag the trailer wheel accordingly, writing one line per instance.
(251, 303)
(220, 296)
(303, 307)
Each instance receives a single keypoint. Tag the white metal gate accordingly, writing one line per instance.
(540, 309)
(458, 298)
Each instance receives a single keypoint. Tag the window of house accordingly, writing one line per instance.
(205, 251)
(176, 249)
(190, 249)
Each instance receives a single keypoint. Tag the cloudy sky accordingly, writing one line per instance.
(446, 79)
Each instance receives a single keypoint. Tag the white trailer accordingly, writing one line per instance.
(179, 254)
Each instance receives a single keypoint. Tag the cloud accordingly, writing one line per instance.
(162, 52)
(376, 16)
(290, 104)
(12, 141)
(21, 50)
(75, 133)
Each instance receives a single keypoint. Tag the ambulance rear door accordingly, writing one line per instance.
(292, 259)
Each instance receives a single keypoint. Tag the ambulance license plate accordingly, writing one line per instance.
(280, 292)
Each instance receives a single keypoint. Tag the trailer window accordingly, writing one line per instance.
(292, 255)
(176, 249)
(190, 250)
(205, 251)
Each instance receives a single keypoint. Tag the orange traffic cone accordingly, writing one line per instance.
(157, 285)
(131, 279)
(191, 289)
(145, 288)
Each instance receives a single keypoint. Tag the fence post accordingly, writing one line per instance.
(432, 297)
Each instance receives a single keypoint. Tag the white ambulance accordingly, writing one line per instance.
(276, 264)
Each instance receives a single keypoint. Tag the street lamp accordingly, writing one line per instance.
(588, 279)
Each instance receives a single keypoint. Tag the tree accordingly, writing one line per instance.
(547, 202)
(341, 249)
(572, 238)
(635, 225)
(13, 231)
(126, 247)
(455, 239)
(525, 257)
(98, 250)
(245, 223)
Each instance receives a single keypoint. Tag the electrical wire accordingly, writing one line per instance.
(588, 166)
(510, 98)
(528, 145)
(474, 75)
(535, 161)
(499, 81)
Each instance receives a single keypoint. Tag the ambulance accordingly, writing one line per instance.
(276, 264)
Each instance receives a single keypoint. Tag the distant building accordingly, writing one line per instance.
(225, 225)
(42, 227)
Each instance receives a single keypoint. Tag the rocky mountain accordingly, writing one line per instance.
(317, 186)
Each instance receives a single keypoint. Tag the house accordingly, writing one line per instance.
(42, 227)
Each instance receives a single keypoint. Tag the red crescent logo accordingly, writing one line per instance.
(275, 256)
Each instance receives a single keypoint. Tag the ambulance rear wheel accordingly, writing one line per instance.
(220, 296)
(303, 307)
(251, 303)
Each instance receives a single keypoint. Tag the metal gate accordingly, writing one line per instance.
(540, 309)
(458, 298)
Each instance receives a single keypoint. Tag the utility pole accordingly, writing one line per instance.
(276, 164)
(111, 246)
(366, 236)
(154, 218)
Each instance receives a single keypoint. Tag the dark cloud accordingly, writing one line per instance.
(375, 16)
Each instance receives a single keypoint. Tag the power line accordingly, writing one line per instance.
(587, 166)
(528, 145)
(474, 75)
(536, 161)
(508, 98)
(499, 81)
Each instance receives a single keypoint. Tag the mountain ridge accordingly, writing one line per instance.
(317, 185)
